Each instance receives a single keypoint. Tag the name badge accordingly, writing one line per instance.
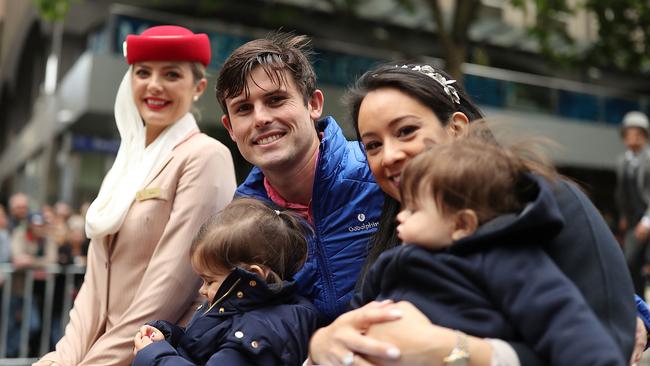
(148, 193)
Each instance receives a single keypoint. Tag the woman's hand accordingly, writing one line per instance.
(145, 336)
(330, 345)
(640, 340)
(422, 343)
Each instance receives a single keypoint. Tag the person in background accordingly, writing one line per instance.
(83, 209)
(633, 195)
(475, 217)
(30, 246)
(72, 252)
(31, 250)
(272, 110)
(167, 179)
(18, 211)
(58, 225)
(5, 238)
(75, 247)
(247, 256)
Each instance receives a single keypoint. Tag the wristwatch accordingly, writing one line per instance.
(459, 356)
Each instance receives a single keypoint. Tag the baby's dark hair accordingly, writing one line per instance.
(249, 232)
(475, 173)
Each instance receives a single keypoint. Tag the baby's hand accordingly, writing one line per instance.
(145, 336)
(154, 334)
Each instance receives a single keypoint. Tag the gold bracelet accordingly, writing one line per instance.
(459, 355)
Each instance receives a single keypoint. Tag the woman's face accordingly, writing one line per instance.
(163, 92)
(394, 127)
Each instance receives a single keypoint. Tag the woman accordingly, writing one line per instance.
(397, 111)
(167, 179)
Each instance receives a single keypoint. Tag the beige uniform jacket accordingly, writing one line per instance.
(143, 272)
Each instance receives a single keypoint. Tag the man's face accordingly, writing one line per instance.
(634, 139)
(273, 128)
(19, 207)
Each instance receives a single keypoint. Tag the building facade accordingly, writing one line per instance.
(57, 139)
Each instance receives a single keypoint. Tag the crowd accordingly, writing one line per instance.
(424, 242)
(38, 240)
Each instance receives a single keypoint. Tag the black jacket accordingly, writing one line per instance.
(254, 325)
(500, 283)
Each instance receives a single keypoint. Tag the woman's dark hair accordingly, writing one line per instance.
(417, 84)
(428, 91)
(249, 232)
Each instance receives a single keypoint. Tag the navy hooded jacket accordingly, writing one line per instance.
(251, 323)
(500, 283)
(346, 205)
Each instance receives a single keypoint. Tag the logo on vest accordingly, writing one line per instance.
(366, 226)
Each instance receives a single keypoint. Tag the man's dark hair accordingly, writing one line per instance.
(276, 53)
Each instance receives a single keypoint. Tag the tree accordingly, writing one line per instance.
(53, 10)
(624, 29)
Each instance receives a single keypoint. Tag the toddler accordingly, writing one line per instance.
(246, 256)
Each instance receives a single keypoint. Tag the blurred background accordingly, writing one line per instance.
(567, 70)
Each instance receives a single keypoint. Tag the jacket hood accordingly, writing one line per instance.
(540, 221)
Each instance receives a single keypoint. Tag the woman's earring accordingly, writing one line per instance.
(195, 98)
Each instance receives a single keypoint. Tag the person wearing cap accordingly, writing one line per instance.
(31, 248)
(151, 203)
(633, 194)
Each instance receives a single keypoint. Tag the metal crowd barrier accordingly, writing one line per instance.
(50, 272)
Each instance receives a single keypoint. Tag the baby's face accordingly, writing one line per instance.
(212, 280)
(421, 223)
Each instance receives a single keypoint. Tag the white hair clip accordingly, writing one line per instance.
(432, 73)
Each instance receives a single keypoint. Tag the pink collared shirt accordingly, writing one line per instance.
(302, 210)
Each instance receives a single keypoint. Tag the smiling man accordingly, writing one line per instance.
(267, 90)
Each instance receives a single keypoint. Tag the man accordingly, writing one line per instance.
(31, 248)
(18, 211)
(633, 194)
(267, 90)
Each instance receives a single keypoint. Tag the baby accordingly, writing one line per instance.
(475, 217)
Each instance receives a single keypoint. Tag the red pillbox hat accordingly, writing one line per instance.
(167, 43)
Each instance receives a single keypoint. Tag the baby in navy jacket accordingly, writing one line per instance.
(246, 256)
(475, 218)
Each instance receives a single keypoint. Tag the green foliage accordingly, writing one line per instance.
(624, 34)
(53, 10)
(624, 29)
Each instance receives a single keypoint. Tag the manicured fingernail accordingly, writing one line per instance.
(393, 353)
(395, 313)
(387, 301)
